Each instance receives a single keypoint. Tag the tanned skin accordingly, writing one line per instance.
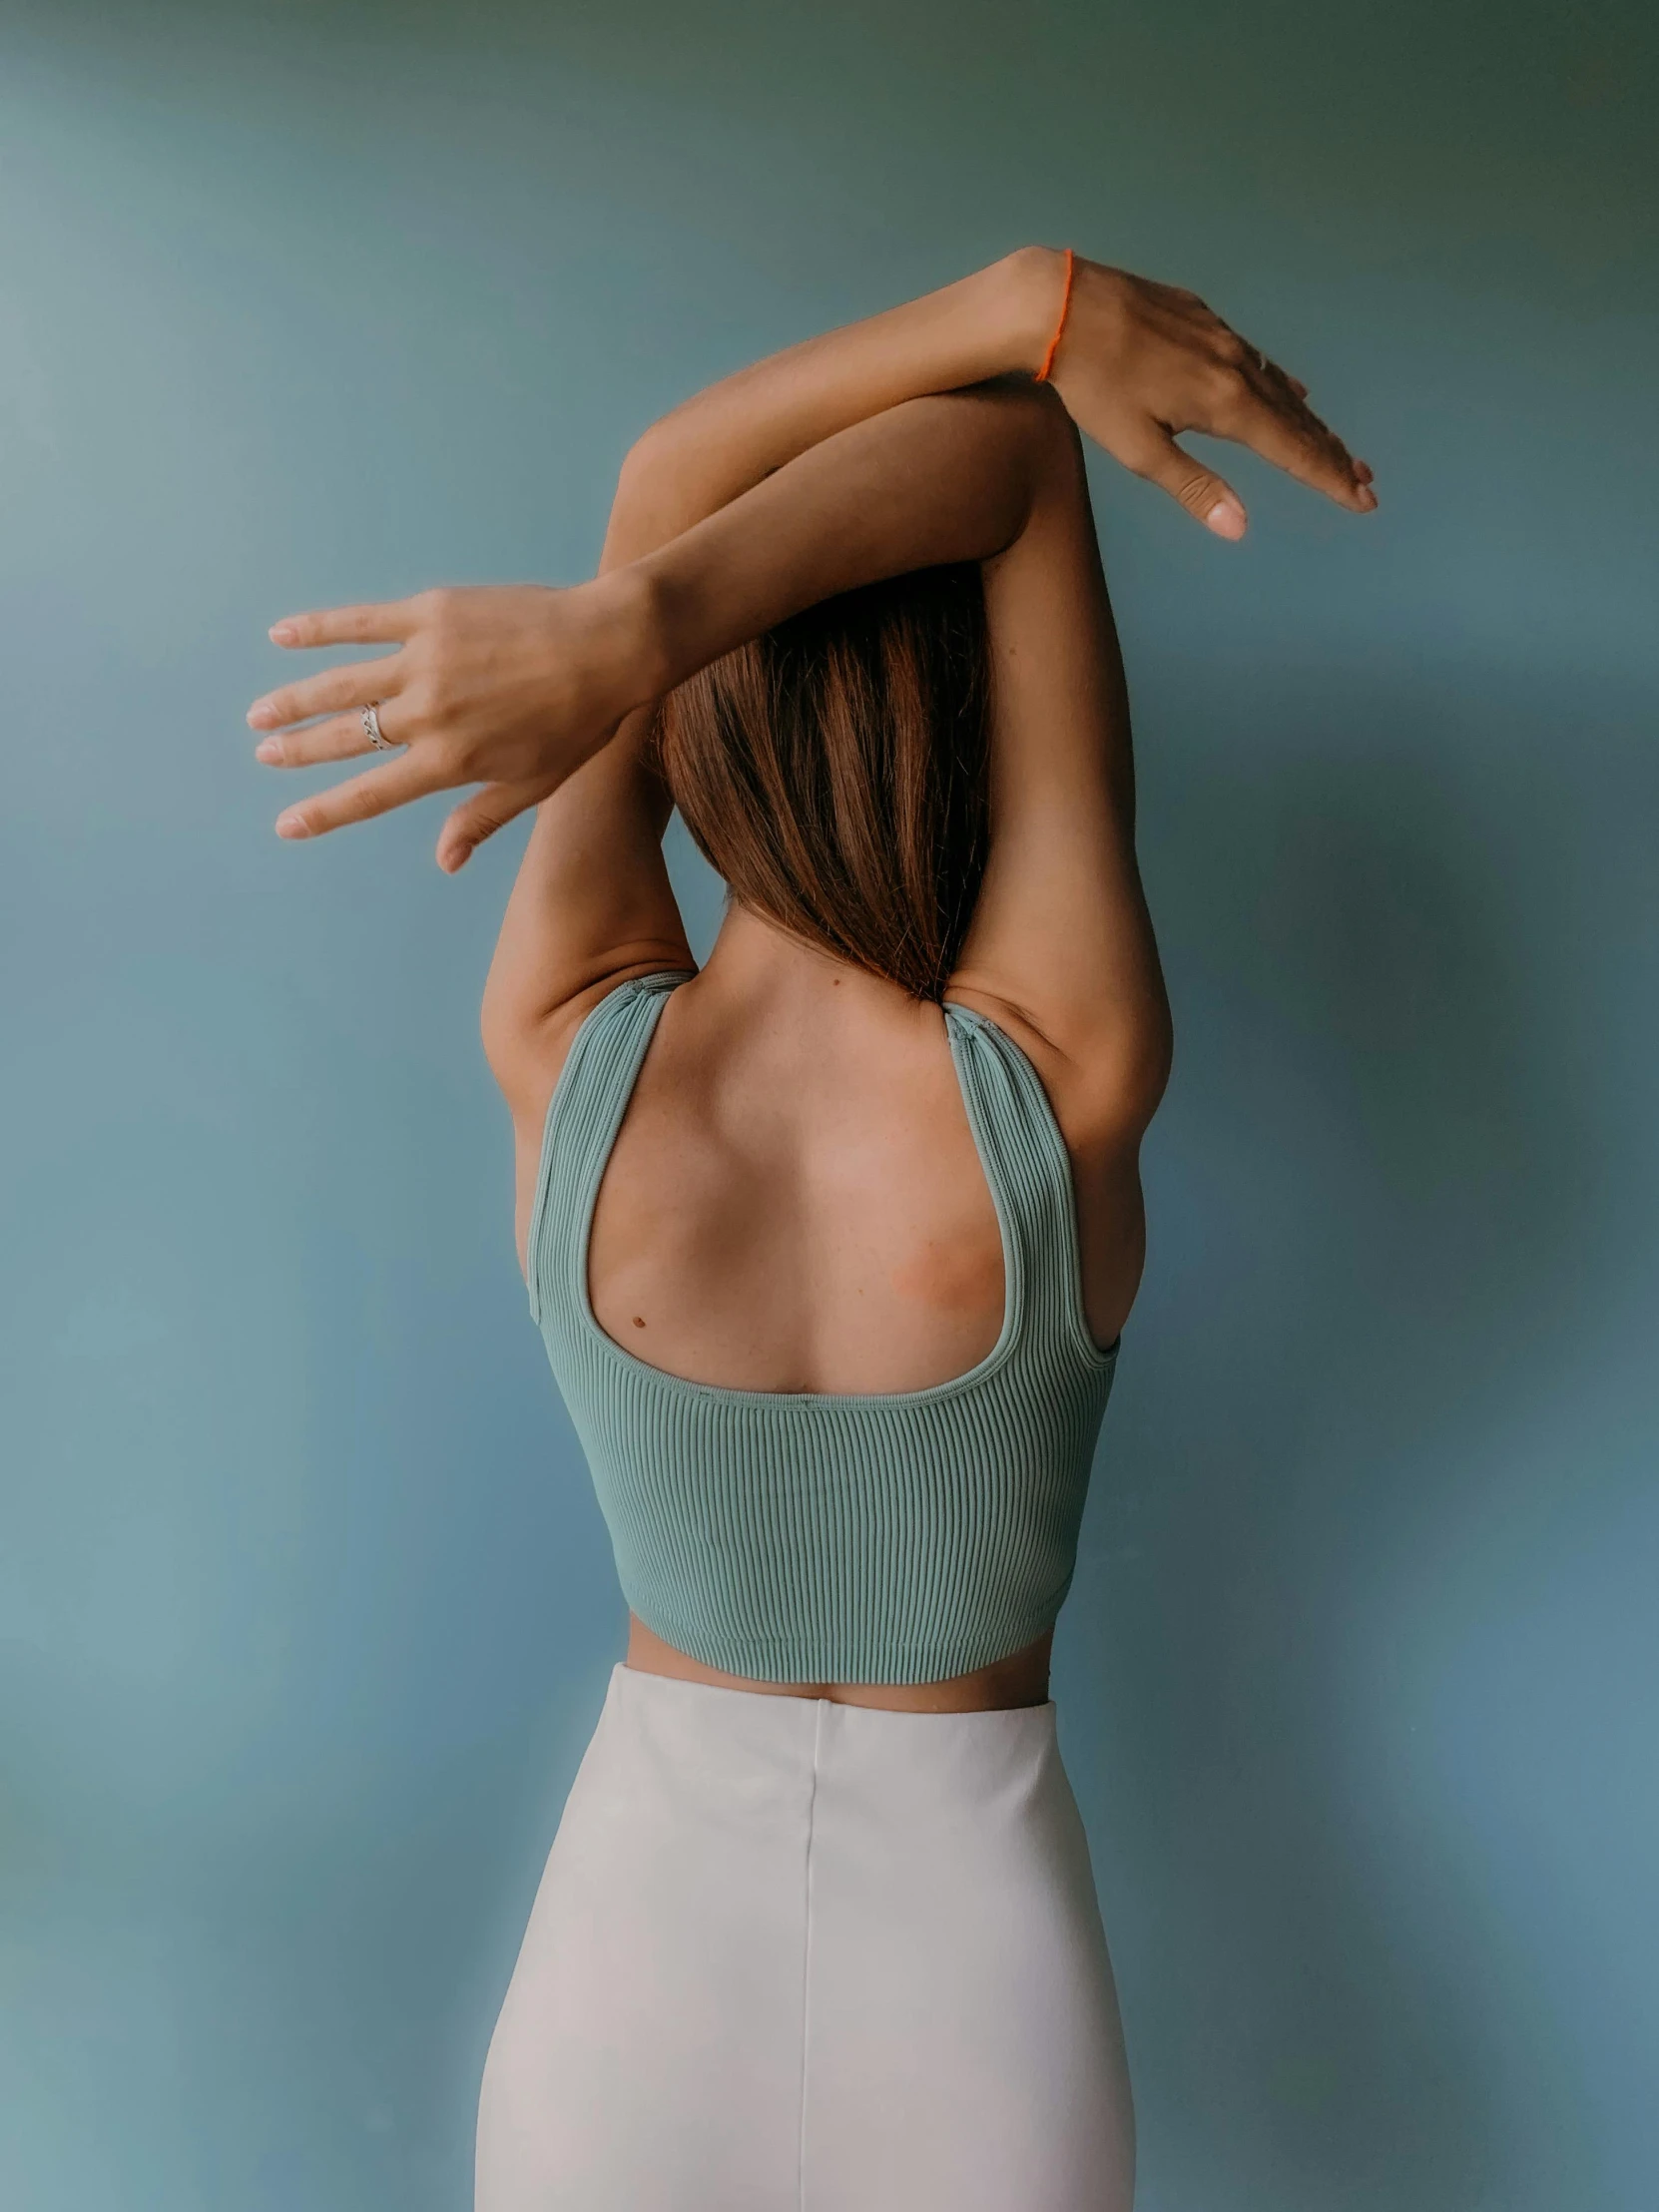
(794, 1201)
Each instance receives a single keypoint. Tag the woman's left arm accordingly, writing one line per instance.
(933, 481)
(495, 685)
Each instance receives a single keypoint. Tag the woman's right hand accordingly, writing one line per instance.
(1138, 362)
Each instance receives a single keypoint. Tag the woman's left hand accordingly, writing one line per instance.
(512, 686)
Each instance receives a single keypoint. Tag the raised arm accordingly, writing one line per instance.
(1135, 362)
(1060, 951)
(592, 903)
(481, 689)
(930, 481)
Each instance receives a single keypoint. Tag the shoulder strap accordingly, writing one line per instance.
(583, 1117)
(1029, 1171)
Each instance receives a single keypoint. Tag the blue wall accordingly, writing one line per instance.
(305, 1607)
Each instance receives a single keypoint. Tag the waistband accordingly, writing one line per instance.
(697, 1727)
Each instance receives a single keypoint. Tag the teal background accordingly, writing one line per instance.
(307, 1608)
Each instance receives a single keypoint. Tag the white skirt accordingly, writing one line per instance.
(789, 1955)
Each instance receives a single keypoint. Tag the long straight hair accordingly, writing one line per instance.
(837, 772)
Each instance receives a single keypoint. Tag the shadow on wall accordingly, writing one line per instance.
(1382, 1223)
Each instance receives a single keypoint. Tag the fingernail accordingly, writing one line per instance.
(270, 750)
(1226, 520)
(262, 715)
(292, 824)
(283, 633)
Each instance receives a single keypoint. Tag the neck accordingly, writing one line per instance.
(768, 971)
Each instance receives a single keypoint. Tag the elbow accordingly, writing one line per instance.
(1059, 447)
(1039, 427)
(652, 483)
(642, 466)
(642, 515)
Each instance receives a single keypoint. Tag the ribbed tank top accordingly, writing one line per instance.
(806, 1536)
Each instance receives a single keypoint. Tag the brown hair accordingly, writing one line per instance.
(835, 772)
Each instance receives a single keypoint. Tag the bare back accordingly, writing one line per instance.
(794, 1201)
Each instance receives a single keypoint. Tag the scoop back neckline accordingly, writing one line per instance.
(806, 1400)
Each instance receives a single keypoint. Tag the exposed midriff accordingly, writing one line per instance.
(1020, 1678)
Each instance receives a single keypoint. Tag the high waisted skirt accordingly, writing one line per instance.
(789, 1955)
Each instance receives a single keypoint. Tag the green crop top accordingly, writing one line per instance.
(800, 1536)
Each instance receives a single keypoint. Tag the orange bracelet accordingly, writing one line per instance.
(1065, 303)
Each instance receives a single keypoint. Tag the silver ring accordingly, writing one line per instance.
(372, 730)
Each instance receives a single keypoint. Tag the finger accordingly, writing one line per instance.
(342, 738)
(386, 623)
(355, 684)
(1285, 430)
(1236, 358)
(1273, 382)
(360, 799)
(1288, 396)
(482, 814)
(1278, 379)
(1290, 392)
(1206, 497)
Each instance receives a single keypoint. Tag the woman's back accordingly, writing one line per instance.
(830, 1277)
(774, 1200)
(910, 1536)
(794, 1201)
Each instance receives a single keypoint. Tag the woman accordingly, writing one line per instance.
(830, 1241)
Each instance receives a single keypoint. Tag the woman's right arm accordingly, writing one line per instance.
(490, 685)
(1060, 952)
(1136, 364)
